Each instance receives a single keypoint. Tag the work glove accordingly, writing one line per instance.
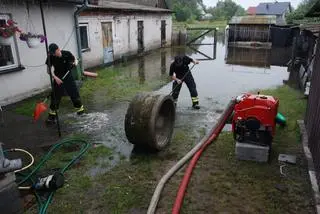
(178, 81)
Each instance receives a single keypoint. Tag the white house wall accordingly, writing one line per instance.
(125, 35)
(59, 20)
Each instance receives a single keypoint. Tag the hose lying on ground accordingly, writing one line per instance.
(26, 152)
(156, 195)
(43, 205)
(186, 178)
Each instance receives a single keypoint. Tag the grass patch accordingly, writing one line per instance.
(77, 179)
(26, 107)
(222, 184)
(126, 189)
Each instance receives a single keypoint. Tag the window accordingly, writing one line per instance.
(8, 54)
(84, 37)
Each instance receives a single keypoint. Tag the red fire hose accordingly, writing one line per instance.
(195, 151)
(185, 181)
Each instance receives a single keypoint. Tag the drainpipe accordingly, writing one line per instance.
(76, 14)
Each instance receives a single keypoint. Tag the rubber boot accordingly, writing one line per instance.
(196, 106)
(195, 103)
(51, 120)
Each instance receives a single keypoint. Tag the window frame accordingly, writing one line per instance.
(84, 24)
(14, 50)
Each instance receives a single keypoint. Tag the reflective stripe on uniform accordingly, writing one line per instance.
(52, 112)
(80, 109)
(195, 99)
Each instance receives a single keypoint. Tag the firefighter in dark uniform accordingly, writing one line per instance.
(180, 67)
(62, 62)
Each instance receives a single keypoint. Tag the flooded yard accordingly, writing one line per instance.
(217, 82)
(123, 178)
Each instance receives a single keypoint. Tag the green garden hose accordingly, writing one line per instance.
(43, 205)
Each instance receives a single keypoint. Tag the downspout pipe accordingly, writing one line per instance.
(76, 15)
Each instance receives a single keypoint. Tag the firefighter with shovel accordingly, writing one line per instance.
(62, 61)
(180, 72)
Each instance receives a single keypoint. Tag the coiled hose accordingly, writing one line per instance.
(43, 206)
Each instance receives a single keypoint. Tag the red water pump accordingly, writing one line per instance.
(254, 119)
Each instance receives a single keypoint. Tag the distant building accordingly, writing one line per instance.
(248, 30)
(251, 11)
(278, 9)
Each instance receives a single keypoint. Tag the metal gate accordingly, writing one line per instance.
(204, 31)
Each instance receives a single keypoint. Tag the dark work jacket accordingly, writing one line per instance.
(180, 70)
(62, 64)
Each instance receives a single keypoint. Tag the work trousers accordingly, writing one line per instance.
(191, 86)
(69, 86)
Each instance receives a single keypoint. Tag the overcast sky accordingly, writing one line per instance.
(247, 3)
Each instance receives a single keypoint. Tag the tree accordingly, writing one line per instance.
(301, 11)
(186, 9)
(240, 12)
(224, 10)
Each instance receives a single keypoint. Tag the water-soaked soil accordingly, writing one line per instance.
(217, 82)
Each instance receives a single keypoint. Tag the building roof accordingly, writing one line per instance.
(251, 11)
(314, 28)
(77, 2)
(103, 4)
(273, 8)
(149, 3)
(314, 11)
(254, 20)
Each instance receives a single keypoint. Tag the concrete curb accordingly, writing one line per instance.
(312, 173)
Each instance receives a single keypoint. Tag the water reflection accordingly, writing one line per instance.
(141, 70)
(207, 40)
(155, 66)
(248, 56)
(163, 61)
(257, 57)
(221, 37)
(241, 62)
(234, 71)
